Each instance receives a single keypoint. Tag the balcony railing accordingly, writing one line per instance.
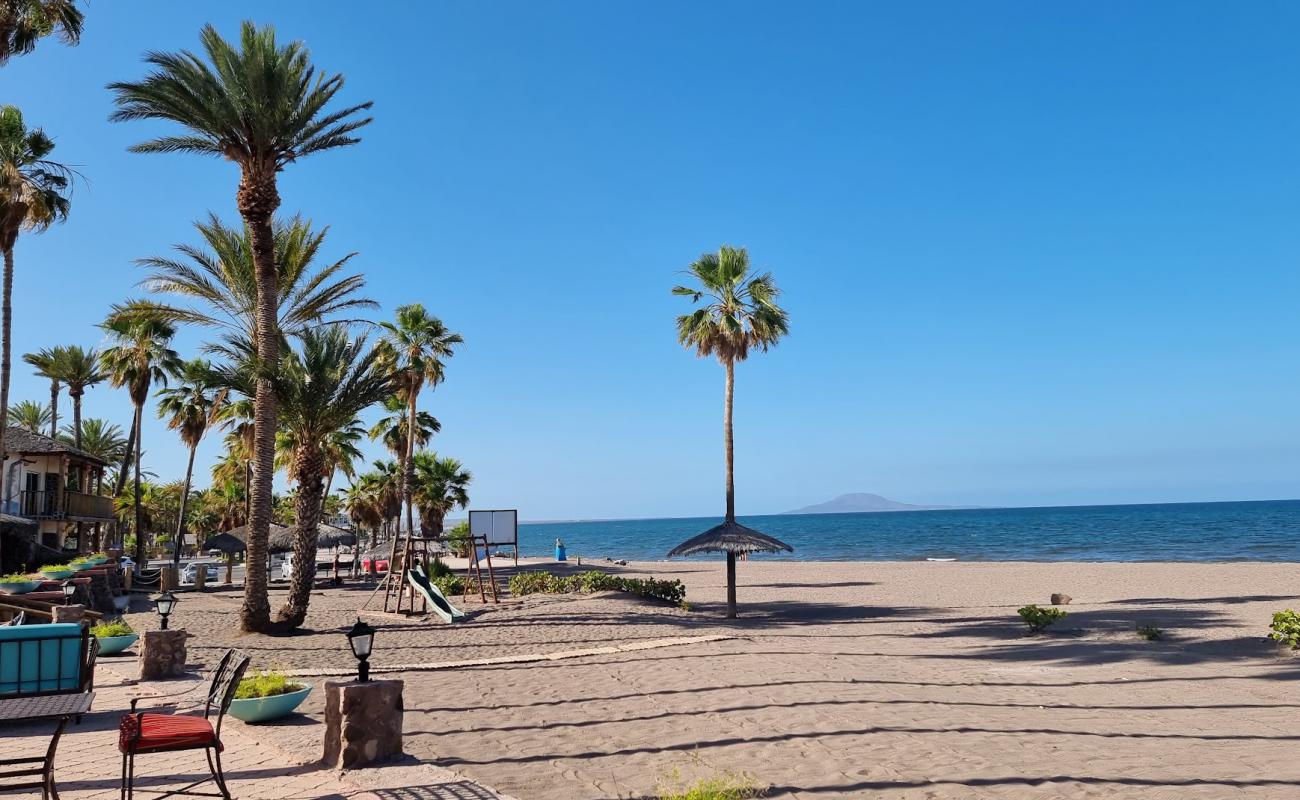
(45, 505)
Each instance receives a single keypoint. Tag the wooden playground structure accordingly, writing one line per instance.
(400, 589)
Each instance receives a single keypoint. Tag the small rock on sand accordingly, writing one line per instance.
(1059, 599)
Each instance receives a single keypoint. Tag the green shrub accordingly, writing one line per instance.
(111, 627)
(15, 577)
(1286, 628)
(449, 585)
(437, 569)
(265, 684)
(53, 567)
(728, 786)
(525, 583)
(1150, 632)
(1039, 618)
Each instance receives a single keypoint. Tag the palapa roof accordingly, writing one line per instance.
(281, 538)
(24, 442)
(225, 543)
(730, 537)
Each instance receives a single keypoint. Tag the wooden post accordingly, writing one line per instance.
(230, 568)
(731, 585)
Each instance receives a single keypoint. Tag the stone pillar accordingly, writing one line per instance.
(169, 578)
(363, 722)
(200, 578)
(162, 654)
(73, 613)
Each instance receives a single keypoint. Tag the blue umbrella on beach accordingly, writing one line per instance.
(731, 538)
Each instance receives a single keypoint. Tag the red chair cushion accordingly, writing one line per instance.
(141, 733)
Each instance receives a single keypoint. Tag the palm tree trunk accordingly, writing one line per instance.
(185, 501)
(257, 199)
(54, 410)
(307, 507)
(122, 475)
(76, 440)
(329, 482)
(408, 469)
(139, 512)
(6, 312)
(728, 443)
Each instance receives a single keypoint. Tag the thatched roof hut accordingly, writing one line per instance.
(731, 538)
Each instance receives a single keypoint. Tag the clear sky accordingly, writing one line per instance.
(1033, 253)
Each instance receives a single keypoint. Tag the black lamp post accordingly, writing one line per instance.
(165, 602)
(69, 589)
(362, 639)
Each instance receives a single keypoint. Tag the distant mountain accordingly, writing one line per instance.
(861, 501)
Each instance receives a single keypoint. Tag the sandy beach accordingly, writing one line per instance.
(892, 680)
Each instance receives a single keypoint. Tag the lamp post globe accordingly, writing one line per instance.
(165, 603)
(361, 639)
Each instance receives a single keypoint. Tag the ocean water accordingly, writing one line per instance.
(1249, 531)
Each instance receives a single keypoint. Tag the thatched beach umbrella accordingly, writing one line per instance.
(230, 545)
(280, 540)
(330, 536)
(731, 538)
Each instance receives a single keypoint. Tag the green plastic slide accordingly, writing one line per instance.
(440, 604)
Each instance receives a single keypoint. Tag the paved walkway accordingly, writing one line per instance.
(88, 764)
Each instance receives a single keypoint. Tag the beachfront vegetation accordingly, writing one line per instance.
(268, 683)
(263, 106)
(542, 582)
(261, 290)
(1285, 628)
(1038, 619)
(29, 415)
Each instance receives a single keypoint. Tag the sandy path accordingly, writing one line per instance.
(892, 680)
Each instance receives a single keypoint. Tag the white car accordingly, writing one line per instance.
(192, 568)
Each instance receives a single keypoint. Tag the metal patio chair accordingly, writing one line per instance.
(148, 732)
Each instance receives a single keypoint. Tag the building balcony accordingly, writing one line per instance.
(76, 506)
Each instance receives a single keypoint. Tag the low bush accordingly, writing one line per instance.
(111, 627)
(54, 567)
(1286, 628)
(728, 786)
(1150, 632)
(449, 585)
(265, 684)
(1039, 618)
(536, 582)
(15, 577)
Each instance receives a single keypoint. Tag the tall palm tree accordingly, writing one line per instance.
(263, 106)
(365, 505)
(415, 345)
(99, 437)
(320, 392)
(392, 428)
(342, 453)
(33, 196)
(218, 283)
(46, 364)
(29, 415)
(24, 22)
(740, 315)
(441, 486)
(190, 408)
(138, 357)
(79, 370)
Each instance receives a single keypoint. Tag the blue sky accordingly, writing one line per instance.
(1033, 253)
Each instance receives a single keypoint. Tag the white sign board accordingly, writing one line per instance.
(500, 528)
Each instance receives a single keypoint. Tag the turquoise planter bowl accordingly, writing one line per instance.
(19, 587)
(264, 709)
(112, 645)
(58, 574)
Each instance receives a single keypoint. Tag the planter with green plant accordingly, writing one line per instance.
(114, 635)
(266, 696)
(58, 572)
(18, 583)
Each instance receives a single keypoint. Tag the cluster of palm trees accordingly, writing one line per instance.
(285, 373)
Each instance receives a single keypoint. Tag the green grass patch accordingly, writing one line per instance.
(111, 627)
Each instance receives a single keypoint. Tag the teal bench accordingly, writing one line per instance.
(56, 658)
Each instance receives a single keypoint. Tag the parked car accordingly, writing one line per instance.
(192, 568)
(381, 564)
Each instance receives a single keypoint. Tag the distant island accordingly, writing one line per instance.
(862, 501)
